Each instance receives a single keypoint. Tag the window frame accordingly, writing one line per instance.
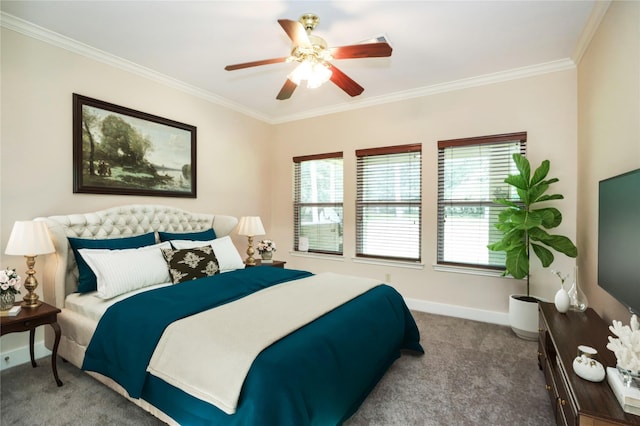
(519, 137)
(298, 205)
(361, 204)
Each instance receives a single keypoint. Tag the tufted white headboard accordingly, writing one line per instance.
(60, 274)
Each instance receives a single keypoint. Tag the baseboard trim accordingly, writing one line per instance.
(492, 317)
(20, 355)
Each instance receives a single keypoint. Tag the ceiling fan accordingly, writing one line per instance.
(313, 56)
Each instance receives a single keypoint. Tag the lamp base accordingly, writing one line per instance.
(31, 303)
(30, 283)
(250, 252)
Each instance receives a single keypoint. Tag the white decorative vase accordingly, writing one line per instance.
(523, 316)
(562, 301)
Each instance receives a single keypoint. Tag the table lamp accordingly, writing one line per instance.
(29, 239)
(250, 226)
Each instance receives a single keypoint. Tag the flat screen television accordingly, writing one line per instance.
(619, 238)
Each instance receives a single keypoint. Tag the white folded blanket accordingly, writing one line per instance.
(231, 336)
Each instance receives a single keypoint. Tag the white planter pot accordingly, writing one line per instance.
(523, 316)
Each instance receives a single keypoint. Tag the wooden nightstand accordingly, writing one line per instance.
(27, 320)
(275, 264)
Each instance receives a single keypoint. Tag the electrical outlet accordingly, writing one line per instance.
(387, 278)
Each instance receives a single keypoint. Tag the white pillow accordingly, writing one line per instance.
(228, 257)
(122, 271)
(189, 244)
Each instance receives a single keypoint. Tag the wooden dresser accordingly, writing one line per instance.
(577, 401)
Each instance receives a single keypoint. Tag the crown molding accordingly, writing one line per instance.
(595, 18)
(39, 33)
(466, 83)
(31, 30)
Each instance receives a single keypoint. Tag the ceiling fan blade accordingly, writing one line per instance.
(255, 63)
(366, 50)
(345, 82)
(287, 90)
(295, 31)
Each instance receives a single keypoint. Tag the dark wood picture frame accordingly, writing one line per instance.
(118, 150)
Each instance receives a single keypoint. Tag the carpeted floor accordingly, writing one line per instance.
(472, 374)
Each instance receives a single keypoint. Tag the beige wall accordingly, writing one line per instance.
(36, 152)
(38, 80)
(608, 132)
(544, 106)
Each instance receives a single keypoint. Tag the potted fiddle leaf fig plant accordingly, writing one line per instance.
(524, 228)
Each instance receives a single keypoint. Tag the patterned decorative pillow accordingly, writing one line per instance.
(226, 253)
(191, 264)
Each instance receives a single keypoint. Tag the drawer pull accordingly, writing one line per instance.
(562, 401)
(547, 387)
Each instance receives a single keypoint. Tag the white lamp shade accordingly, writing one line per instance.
(29, 238)
(250, 226)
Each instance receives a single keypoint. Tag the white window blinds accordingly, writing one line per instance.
(471, 175)
(317, 203)
(389, 202)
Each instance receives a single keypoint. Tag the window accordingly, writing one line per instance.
(471, 175)
(389, 202)
(317, 203)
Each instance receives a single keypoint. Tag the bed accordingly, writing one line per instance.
(261, 345)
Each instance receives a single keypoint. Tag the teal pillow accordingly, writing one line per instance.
(207, 235)
(87, 279)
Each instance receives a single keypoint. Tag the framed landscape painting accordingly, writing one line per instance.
(117, 150)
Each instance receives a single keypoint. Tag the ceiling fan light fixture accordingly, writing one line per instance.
(300, 73)
(314, 58)
(314, 73)
(320, 74)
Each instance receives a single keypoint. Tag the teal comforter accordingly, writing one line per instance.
(318, 375)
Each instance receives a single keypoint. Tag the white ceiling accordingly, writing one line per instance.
(437, 45)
